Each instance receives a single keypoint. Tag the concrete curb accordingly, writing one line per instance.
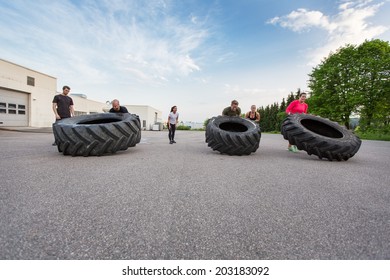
(28, 129)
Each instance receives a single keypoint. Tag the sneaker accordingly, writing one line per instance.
(54, 144)
(173, 141)
(293, 148)
(170, 142)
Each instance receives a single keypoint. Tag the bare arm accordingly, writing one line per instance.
(257, 116)
(71, 110)
(54, 107)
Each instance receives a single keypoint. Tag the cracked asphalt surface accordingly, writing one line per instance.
(185, 201)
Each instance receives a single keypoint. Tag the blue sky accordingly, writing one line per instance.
(198, 55)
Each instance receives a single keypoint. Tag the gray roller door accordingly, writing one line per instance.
(13, 108)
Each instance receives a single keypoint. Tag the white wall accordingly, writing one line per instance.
(146, 113)
(14, 77)
(87, 106)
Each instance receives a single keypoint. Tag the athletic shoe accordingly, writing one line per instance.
(173, 141)
(293, 148)
(170, 142)
(54, 144)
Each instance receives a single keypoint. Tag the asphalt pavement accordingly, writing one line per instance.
(185, 201)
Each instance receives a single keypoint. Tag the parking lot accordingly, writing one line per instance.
(185, 201)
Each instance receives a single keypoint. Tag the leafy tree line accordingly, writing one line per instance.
(271, 116)
(355, 80)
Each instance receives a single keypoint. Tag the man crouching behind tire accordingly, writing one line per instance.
(231, 135)
(233, 110)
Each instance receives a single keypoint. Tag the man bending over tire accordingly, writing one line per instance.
(116, 108)
(233, 110)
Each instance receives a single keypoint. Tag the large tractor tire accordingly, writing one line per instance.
(97, 134)
(321, 137)
(233, 135)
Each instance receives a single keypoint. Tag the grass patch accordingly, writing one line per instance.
(183, 127)
(373, 136)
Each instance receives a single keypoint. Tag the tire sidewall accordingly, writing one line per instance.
(75, 121)
(216, 122)
(77, 134)
(347, 135)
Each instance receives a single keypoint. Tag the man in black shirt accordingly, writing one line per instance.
(63, 105)
(116, 108)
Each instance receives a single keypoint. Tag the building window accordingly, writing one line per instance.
(3, 108)
(30, 81)
(21, 109)
(10, 111)
(11, 106)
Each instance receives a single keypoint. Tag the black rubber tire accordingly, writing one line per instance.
(321, 137)
(97, 134)
(233, 135)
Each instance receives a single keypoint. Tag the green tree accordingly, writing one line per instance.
(265, 120)
(354, 79)
(283, 105)
(290, 98)
(275, 124)
(206, 122)
(374, 67)
(334, 84)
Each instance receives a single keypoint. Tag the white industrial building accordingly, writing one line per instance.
(149, 116)
(26, 99)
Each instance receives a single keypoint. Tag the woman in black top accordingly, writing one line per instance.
(253, 115)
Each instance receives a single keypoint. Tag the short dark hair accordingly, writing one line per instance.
(65, 87)
(234, 102)
(302, 93)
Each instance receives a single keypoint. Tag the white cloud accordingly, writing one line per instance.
(303, 20)
(349, 26)
(137, 40)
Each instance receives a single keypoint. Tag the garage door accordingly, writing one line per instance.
(13, 108)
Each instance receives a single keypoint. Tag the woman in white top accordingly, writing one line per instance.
(173, 119)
